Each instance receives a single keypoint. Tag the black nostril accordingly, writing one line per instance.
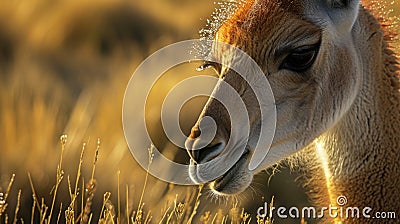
(208, 153)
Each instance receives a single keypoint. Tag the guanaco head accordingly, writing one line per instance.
(306, 51)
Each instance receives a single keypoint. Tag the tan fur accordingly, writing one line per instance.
(363, 147)
(348, 103)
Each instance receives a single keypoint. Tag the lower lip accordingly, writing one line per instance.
(221, 178)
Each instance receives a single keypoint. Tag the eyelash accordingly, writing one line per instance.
(301, 59)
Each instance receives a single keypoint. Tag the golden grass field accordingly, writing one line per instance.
(64, 66)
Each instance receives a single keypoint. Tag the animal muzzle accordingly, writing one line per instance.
(206, 141)
(205, 145)
(216, 140)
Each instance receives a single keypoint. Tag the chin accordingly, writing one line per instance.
(236, 180)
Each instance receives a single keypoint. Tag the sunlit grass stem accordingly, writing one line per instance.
(59, 175)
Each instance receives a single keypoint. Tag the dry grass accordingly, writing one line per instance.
(63, 69)
(79, 207)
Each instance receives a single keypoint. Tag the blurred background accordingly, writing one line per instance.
(64, 66)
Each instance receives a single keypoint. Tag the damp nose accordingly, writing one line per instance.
(205, 141)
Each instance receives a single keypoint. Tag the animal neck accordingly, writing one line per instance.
(360, 155)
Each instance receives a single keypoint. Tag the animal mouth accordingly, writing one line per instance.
(221, 184)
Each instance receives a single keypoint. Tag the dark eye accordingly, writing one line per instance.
(301, 59)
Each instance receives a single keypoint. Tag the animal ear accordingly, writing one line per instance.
(343, 13)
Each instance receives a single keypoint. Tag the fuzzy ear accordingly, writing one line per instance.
(342, 13)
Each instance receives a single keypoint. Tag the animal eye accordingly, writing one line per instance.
(301, 59)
